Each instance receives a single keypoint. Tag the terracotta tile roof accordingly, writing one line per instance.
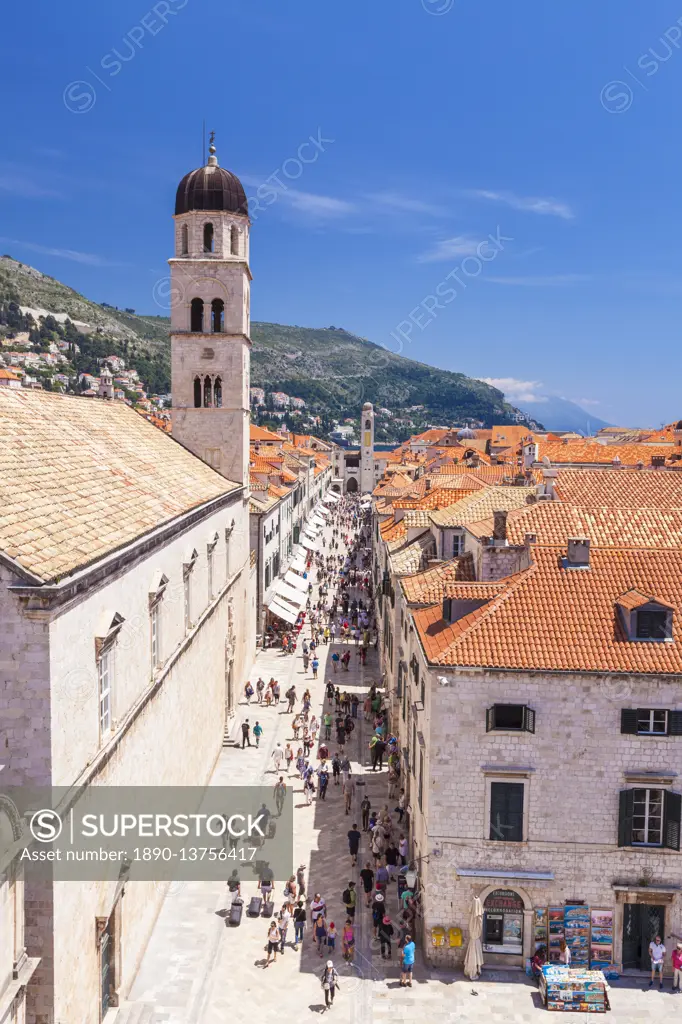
(428, 587)
(634, 599)
(261, 434)
(509, 435)
(8, 375)
(481, 504)
(390, 530)
(416, 517)
(553, 522)
(621, 488)
(548, 618)
(433, 499)
(80, 479)
(412, 557)
(584, 452)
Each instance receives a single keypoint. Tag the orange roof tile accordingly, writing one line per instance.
(261, 434)
(549, 618)
(587, 453)
(620, 488)
(429, 586)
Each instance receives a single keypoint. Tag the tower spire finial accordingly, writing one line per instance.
(213, 159)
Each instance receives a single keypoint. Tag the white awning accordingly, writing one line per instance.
(318, 521)
(331, 497)
(298, 563)
(285, 612)
(312, 532)
(294, 580)
(294, 596)
(320, 510)
(366, 501)
(309, 545)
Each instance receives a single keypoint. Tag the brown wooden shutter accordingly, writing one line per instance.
(675, 723)
(490, 719)
(528, 720)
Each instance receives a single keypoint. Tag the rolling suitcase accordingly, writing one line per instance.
(255, 905)
(268, 908)
(236, 909)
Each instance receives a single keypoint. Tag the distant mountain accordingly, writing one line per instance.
(560, 414)
(333, 371)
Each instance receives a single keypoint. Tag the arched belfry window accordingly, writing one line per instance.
(217, 316)
(368, 424)
(208, 237)
(197, 392)
(234, 240)
(208, 397)
(184, 240)
(218, 393)
(197, 316)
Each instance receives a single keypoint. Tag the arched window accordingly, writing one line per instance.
(184, 240)
(218, 393)
(197, 392)
(217, 316)
(208, 398)
(208, 237)
(368, 425)
(234, 240)
(197, 316)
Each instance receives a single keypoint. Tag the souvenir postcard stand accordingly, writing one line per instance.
(572, 990)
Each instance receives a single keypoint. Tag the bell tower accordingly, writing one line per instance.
(210, 319)
(367, 449)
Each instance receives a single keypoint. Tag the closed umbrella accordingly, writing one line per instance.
(473, 961)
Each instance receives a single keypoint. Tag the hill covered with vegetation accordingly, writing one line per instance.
(333, 371)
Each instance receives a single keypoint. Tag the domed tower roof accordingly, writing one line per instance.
(211, 188)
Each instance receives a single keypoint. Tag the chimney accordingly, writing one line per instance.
(578, 553)
(530, 538)
(428, 483)
(658, 461)
(500, 526)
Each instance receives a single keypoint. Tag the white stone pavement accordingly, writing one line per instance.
(198, 970)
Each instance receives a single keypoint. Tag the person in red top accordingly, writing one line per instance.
(677, 968)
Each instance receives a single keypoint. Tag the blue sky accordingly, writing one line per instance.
(552, 128)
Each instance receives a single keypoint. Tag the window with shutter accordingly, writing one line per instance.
(510, 718)
(652, 722)
(506, 812)
(627, 798)
(675, 723)
(628, 720)
(671, 821)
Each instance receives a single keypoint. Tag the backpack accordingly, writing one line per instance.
(346, 896)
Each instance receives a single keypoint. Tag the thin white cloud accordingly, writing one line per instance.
(451, 248)
(546, 206)
(317, 205)
(585, 401)
(517, 390)
(395, 202)
(312, 204)
(540, 281)
(20, 185)
(89, 258)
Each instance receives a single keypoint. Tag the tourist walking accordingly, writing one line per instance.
(350, 898)
(367, 876)
(274, 940)
(365, 808)
(385, 936)
(348, 940)
(330, 982)
(657, 954)
(246, 729)
(354, 837)
(407, 963)
(321, 932)
(280, 793)
(257, 732)
(299, 923)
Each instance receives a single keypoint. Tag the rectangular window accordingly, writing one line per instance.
(654, 722)
(104, 674)
(510, 718)
(188, 601)
(506, 811)
(650, 722)
(652, 625)
(457, 545)
(209, 561)
(421, 779)
(414, 749)
(647, 817)
(155, 619)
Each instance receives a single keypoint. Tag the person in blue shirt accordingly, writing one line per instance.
(408, 963)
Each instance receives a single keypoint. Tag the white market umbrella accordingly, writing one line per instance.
(473, 961)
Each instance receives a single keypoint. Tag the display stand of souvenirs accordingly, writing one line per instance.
(574, 990)
(601, 943)
(556, 932)
(577, 934)
(541, 938)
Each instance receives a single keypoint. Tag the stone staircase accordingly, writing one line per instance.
(138, 1013)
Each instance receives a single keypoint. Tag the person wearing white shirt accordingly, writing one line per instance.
(657, 954)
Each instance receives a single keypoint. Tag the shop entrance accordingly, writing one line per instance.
(503, 923)
(642, 922)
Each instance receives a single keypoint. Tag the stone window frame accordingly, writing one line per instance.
(506, 774)
(210, 549)
(105, 643)
(187, 571)
(156, 594)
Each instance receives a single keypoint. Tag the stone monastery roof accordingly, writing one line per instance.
(80, 479)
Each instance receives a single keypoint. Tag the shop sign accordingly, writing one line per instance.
(504, 899)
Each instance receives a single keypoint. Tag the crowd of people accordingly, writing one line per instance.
(317, 754)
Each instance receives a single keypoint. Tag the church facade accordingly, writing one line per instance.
(127, 618)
